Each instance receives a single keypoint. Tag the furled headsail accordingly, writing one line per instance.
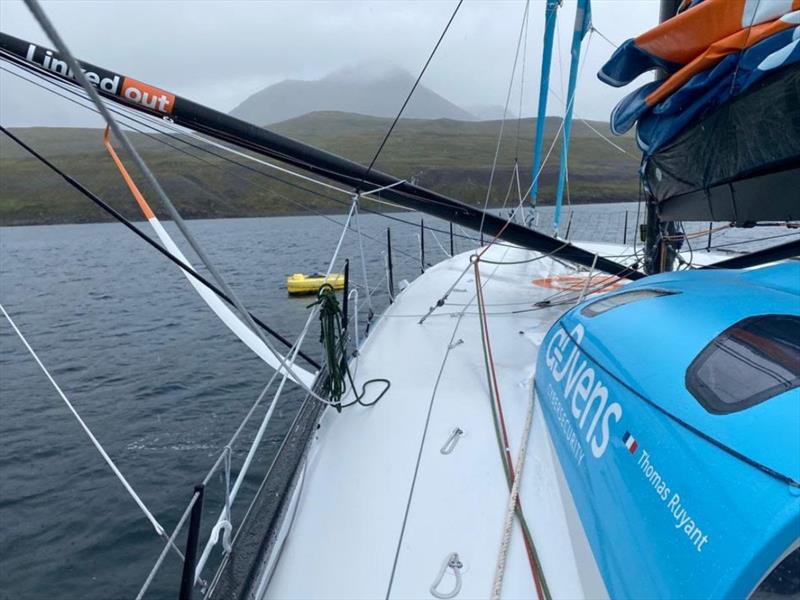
(720, 132)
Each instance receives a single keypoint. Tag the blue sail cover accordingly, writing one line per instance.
(677, 497)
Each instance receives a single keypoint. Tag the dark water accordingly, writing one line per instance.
(157, 377)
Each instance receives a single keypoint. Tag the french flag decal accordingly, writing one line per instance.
(630, 442)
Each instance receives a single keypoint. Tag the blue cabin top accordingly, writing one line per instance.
(674, 408)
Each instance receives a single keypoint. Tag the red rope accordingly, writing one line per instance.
(508, 459)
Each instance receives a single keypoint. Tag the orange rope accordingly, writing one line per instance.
(146, 210)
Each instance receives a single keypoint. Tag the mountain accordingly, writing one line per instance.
(362, 90)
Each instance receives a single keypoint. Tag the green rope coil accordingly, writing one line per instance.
(334, 345)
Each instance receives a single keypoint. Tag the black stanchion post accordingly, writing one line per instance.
(625, 230)
(421, 246)
(346, 291)
(389, 263)
(451, 239)
(190, 558)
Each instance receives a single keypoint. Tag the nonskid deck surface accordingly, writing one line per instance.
(381, 507)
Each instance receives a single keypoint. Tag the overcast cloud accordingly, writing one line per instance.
(220, 52)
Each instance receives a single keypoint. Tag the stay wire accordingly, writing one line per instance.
(505, 113)
(410, 93)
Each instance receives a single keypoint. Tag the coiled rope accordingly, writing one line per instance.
(334, 344)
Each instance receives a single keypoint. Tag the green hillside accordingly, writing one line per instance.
(452, 157)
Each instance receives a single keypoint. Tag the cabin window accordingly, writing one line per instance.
(748, 363)
(598, 307)
(783, 582)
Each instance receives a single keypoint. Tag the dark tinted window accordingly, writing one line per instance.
(747, 363)
(783, 583)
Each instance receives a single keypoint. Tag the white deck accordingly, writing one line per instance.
(348, 538)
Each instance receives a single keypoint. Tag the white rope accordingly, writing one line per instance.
(363, 258)
(505, 112)
(508, 524)
(153, 521)
(446, 253)
(608, 141)
(270, 165)
(381, 189)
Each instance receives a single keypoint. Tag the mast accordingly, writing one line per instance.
(583, 21)
(551, 12)
(186, 113)
(658, 257)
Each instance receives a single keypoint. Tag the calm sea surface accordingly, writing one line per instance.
(159, 380)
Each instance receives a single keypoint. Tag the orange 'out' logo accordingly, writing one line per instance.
(148, 96)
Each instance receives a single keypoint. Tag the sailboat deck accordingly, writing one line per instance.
(382, 507)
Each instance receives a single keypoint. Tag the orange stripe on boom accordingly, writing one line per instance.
(146, 210)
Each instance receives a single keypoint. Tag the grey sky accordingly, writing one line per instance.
(220, 52)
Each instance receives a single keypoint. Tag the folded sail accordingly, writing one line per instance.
(719, 132)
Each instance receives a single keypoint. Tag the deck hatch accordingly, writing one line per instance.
(748, 363)
(598, 307)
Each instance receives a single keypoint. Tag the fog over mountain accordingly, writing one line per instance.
(373, 90)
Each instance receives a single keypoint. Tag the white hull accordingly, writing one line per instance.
(381, 507)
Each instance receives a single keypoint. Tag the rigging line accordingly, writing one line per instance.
(570, 100)
(80, 76)
(153, 521)
(411, 93)
(503, 121)
(147, 239)
(585, 122)
(602, 35)
(225, 148)
(620, 148)
(240, 428)
(763, 239)
(363, 262)
(522, 78)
